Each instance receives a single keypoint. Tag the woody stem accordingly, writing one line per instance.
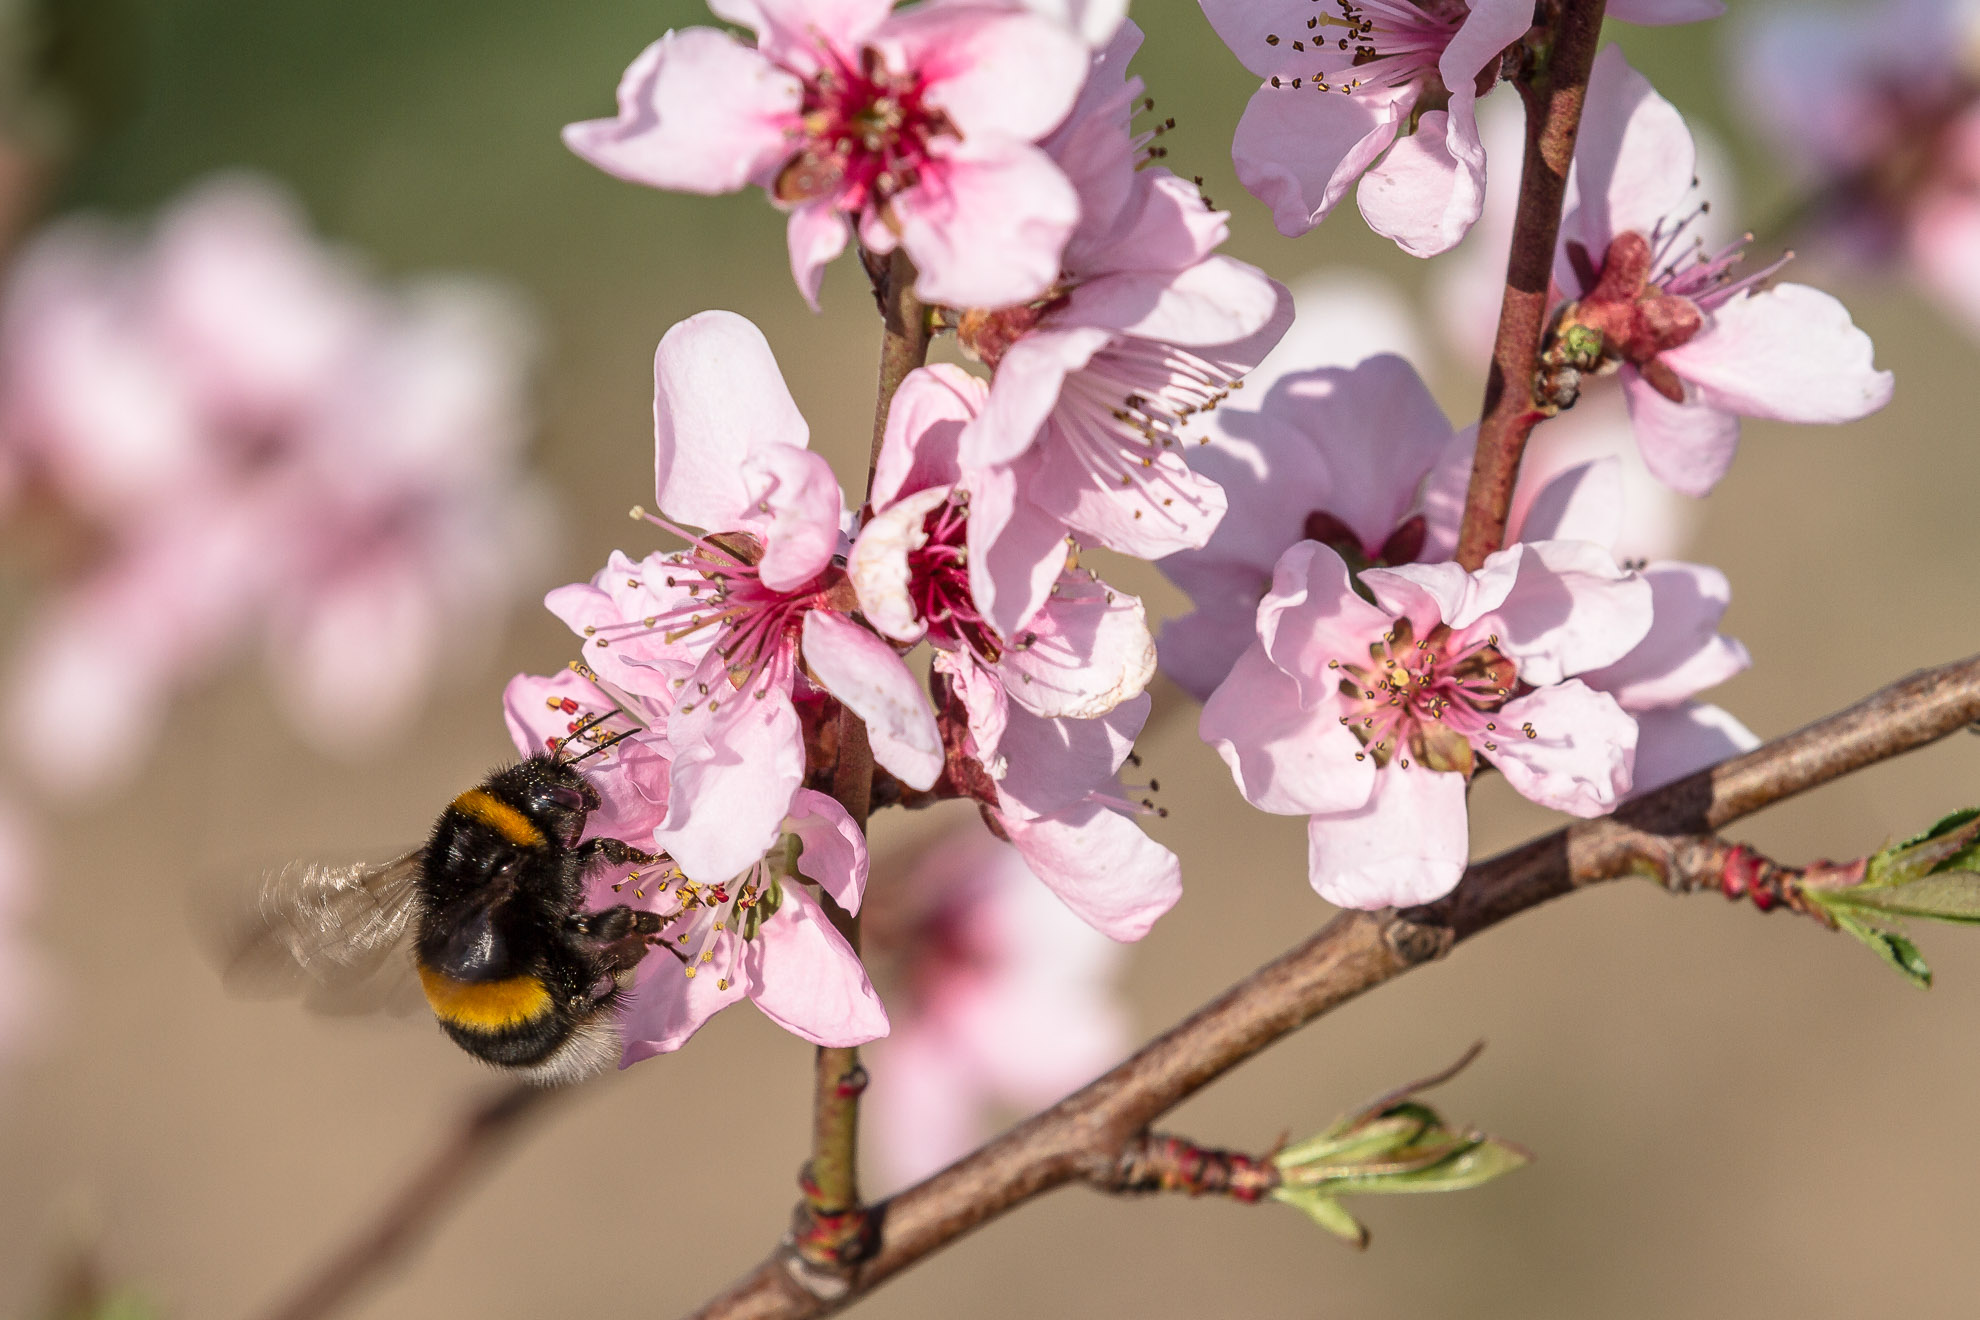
(1553, 84)
(830, 1233)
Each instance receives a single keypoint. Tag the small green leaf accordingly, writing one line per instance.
(1487, 1159)
(1889, 945)
(1326, 1212)
(1942, 895)
(1951, 844)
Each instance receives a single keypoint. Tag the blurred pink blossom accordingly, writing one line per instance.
(270, 446)
(912, 128)
(1001, 999)
(1384, 92)
(1876, 107)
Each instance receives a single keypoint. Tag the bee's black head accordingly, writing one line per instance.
(555, 797)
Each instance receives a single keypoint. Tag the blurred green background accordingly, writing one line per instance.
(1734, 1116)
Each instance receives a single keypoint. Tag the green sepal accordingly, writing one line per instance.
(1325, 1211)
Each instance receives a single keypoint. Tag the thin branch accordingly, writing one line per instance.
(1085, 1135)
(830, 1229)
(1552, 85)
(482, 1133)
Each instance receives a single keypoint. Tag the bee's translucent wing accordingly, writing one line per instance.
(336, 936)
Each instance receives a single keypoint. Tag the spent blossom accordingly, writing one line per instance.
(1001, 999)
(913, 128)
(1698, 345)
(1383, 92)
(757, 932)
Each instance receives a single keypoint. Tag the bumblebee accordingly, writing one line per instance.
(486, 921)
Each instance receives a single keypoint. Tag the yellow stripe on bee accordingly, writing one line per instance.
(485, 1005)
(499, 816)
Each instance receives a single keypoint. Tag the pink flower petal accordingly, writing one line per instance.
(1215, 301)
(987, 223)
(834, 856)
(815, 234)
(1170, 508)
(1788, 352)
(1085, 653)
(1582, 503)
(879, 569)
(1114, 877)
(807, 979)
(1406, 846)
(717, 397)
(1197, 650)
(1024, 392)
(1312, 615)
(1674, 741)
(989, 71)
(1421, 195)
(698, 112)
(924, 431)
(984, 705)
(1634, 163)
(735, 770)
(1053, 765)
(1687, 446)
(1573, 608)
(1016, 549)
(794, 33)
(867, 674)
(1580, 755)
(926, 1103)
(1684, 652)
(1286, 757)
(667, 1006)
(1246, 25)
(796, 507)
(1299, 151)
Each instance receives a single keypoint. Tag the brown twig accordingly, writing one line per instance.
(830, 1230)
(419, 1203)
(1084, 1135)
(1552, 83)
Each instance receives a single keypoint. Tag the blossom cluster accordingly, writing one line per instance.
(1351, 671)
(244, 439)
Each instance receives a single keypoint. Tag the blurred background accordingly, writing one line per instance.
(1733, 1115)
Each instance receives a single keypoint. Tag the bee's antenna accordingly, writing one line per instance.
(602, 744)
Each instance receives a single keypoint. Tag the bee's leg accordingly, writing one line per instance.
(616, 852)
(616, 936)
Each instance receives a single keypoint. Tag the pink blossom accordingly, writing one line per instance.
(732, 631)
(1877, 109)
(1369, 718)
(1303, 465)
(755, 933)
(1384, 91)
(1697, 347)
(1052, 787)
(911, 128)
(1002, 999)
(1146, 327)
(274, 450)
(946, 544)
